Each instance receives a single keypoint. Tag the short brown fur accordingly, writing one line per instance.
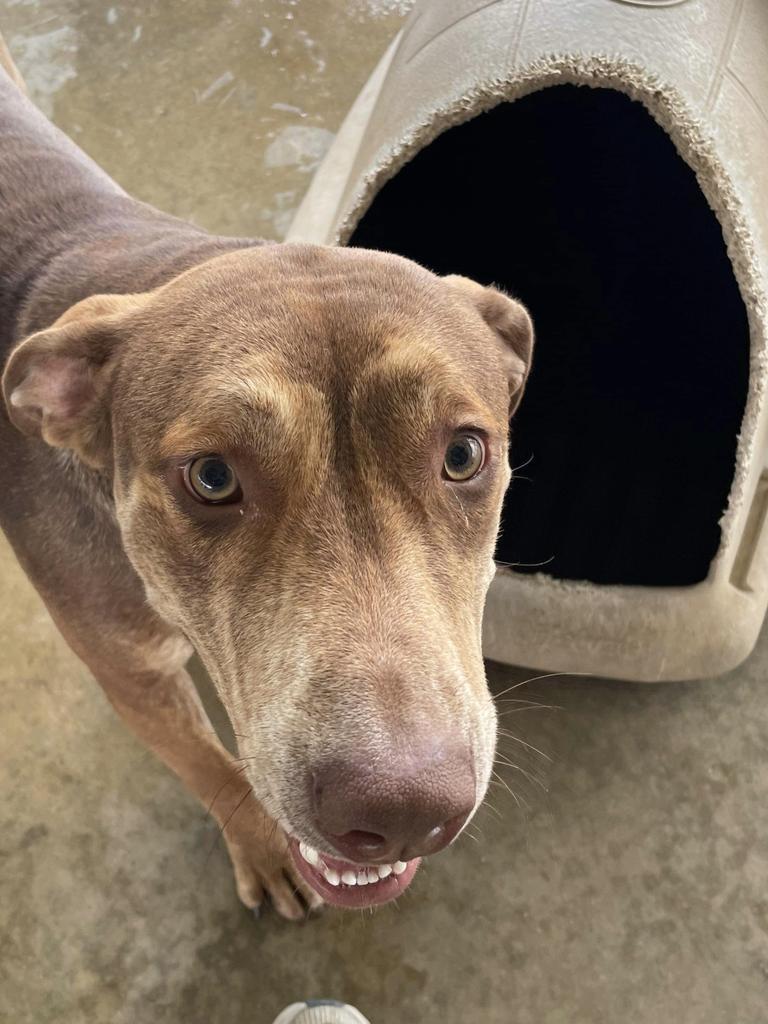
(337, 606)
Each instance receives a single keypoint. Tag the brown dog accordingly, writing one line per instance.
(288, 457)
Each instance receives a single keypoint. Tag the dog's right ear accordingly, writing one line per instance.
(56, 385)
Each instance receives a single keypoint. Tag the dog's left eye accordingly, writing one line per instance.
(464, 457)
(211, 479)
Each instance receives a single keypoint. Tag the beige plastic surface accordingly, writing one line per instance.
(701, 69)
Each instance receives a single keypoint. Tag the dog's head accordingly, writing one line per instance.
(309, 455)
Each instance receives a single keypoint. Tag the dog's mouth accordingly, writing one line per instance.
(345, 884)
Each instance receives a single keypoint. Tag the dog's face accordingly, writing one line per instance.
(309, 455)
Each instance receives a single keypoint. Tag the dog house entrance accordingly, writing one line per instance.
(577, 202)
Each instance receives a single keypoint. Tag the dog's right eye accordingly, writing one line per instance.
(211, 479)
(464, 458)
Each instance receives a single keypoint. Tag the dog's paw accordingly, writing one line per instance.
(263, 866)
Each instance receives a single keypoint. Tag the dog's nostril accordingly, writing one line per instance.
(451, 828)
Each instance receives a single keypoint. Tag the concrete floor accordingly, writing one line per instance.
(635, 889)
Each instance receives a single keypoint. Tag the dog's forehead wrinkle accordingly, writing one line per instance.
(249, 408)
(272, 271)
(416, 373)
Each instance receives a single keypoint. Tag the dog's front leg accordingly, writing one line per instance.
(163, 709)
(139, 661)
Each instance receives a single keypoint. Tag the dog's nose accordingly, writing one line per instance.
(414, 806)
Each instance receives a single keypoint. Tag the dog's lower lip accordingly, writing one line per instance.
(354, 896)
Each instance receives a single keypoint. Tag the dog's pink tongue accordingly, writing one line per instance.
(336, 864)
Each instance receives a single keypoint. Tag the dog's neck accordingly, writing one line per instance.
(68, 231)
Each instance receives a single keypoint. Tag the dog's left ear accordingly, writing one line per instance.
(57, 382)
(512, 324)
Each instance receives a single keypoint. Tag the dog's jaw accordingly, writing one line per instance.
(347, 884)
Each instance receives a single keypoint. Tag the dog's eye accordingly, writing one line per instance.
(464, 457)
(211, 479)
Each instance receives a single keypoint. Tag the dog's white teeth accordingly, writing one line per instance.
(351, 876)
(331, 876)
(310, 856)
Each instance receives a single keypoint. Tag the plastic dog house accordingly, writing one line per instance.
(606, 161)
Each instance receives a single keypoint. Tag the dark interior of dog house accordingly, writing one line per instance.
(576, 201)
